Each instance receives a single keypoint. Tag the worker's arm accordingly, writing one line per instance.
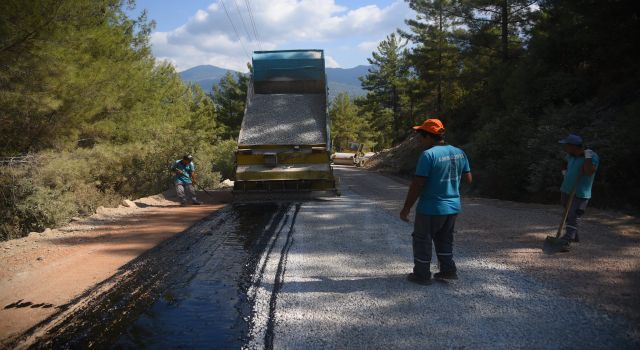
(412, 196)
(177, 170)
(192, 172)
(468, 177)
(588, 168)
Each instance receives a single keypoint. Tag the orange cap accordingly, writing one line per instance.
(432, 126)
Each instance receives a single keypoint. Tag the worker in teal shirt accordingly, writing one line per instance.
(185, 173)
(437, 184)
(579, 173)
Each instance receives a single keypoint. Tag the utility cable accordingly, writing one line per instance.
(253, 23)
(244, 25)
(235, 30)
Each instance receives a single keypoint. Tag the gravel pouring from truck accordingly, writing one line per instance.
(284, 144)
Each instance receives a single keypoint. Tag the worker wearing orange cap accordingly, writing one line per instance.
(436, 183)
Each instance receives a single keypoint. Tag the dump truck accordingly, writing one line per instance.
(284, 142)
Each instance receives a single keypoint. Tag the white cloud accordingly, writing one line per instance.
(208, 37)
(368, 46)
(331, 62)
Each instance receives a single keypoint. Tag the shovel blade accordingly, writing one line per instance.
(554, 245)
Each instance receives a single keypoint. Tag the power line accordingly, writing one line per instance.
(235, 30)
(253, 23)
(244, 25)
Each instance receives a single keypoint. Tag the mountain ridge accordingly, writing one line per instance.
(338, 79)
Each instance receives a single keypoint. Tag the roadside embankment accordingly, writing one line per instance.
(43, 272)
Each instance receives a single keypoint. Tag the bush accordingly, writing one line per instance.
(223, 157)
(56, 186)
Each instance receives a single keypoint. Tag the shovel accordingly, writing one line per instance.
(555, 244)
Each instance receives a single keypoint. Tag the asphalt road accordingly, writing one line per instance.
(331, 274)
(343, 284)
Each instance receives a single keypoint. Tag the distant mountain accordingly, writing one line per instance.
(348, 76)
(338, 79)
(335, 88)
(205, 76)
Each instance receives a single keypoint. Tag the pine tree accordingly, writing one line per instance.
(436, 56)
(348, 123)
(230, 96)
(384, 79)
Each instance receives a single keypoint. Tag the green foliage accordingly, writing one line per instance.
(56, 186)
(385, 83)
(510, 79)
(230, 96)
(81, 92)
(223, 158)
(348, 124)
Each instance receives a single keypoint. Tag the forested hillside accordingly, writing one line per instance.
(96, 116)
(88, 116)
(509, 79)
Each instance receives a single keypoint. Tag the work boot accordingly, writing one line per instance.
(564, 245)
(575, 239)
(197, 202)
(422, 280)
(451, 275)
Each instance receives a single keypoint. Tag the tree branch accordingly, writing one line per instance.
(34, 32)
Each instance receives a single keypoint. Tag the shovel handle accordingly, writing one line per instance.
(568, 207)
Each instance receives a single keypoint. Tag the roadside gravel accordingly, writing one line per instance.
(345, 286)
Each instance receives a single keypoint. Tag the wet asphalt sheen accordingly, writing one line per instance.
(189, 292)
(319, 275)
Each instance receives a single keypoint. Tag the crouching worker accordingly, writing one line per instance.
(437, 184)
(185, 172)
(579, 172)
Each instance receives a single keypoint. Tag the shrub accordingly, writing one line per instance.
(223, 157)
(55, 186)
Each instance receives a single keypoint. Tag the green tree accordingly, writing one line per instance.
(348, 124)
(384, 80)
(81, 92)
(69, 64)
(436, 55)
(230, 97)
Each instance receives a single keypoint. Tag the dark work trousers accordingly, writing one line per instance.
(578, 206)
(439, 229)
(182, 188)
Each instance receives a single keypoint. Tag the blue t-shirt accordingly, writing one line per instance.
(187, 172)
(574, 169)
(443, 166)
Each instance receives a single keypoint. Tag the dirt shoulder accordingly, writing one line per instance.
(44, 271)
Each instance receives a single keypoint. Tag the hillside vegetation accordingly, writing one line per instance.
(97, 117)
(509, 79)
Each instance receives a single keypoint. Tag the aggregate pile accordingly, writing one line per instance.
(284, 119)
(401, 158)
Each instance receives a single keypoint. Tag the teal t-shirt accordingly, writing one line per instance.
(574, 168)
(443, 166)
(187, 172)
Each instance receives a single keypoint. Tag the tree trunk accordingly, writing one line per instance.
(396, 117)
(504, 29)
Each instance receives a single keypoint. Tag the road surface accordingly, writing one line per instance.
(345, 282)
(332, 274)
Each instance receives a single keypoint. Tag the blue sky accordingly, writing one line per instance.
(196, 32)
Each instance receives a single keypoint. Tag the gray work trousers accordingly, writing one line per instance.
(182, 188)
(439, 229)
(578, 206)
